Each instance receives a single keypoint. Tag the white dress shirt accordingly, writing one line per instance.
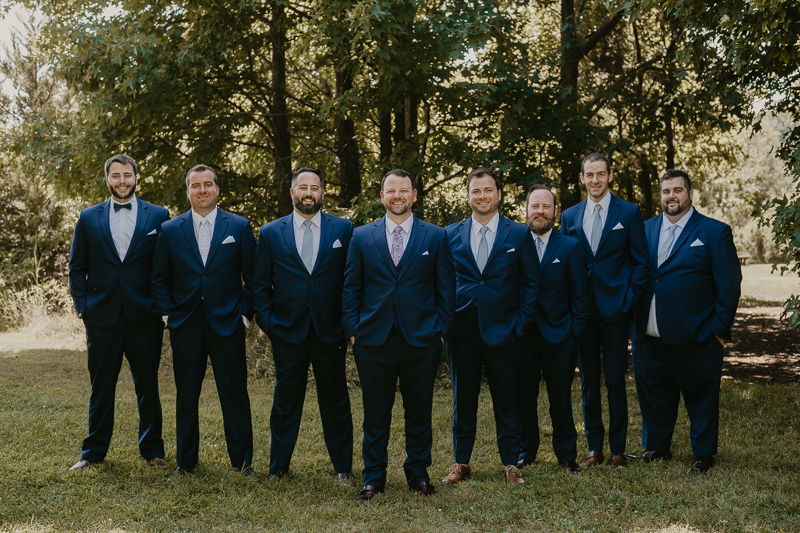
(475, 235)
(300, 230)
(123, 224)
(405, 233)
(545, 239)
(198, 221)
(588, 214)
(652, 323)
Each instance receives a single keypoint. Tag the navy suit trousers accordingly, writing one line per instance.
(468, 357)
(556, 363)
(193, 342)
(612, 341)
(104, 350)
(663, 373)
(291, 376)
(379, 368)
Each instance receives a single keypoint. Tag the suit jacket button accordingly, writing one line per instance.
(309, 304)
(204, 277)
(481, 283)
(311, 281)
(594, 262)
(476, 304)
(656, 281)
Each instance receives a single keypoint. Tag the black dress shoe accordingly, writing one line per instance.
(423, 487)
(654, 455)
(571, 466)
(525, 461)
(702, 464)
(345, 478)
(369, 492)
(249, 471)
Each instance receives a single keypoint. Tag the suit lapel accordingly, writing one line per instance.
(415, 241)
(220, 229)
(685, 232)
(652, 241)
(105, 226)
(141, 222)
(579, 212)
(287, 230)
(188, 231)
(614, 210)
(465, 230)
(326, 230)
(552, 246)
(379, 236)
(503, 230)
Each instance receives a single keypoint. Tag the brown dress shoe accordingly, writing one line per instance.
(80, 465)
(619, 461)
(157, 462)
(513, 476)
(369, 492)
(594, 458)
(458, 473)
(423, 487)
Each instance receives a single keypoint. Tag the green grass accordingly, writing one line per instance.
(43, 404)
(761, 286)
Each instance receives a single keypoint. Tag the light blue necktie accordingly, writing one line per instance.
(540, 247)
(307, 253)
(483, 250)
(597, 228)
(664, 251)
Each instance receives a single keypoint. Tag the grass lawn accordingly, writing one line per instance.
(761, 285)
(43, 409)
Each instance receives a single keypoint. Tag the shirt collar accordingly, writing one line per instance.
(545, 238)
(604, 203)
(406, 225)
(210, 218)
(681, 223)
(298, 219)
(492, 224)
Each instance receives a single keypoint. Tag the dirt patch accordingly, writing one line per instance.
(763, 348)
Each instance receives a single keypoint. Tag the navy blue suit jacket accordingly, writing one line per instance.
(420, 291)
(505, 294)
(564, 297)
(619, 269)
(697, 287)
(224, 284)
(285, 296)
(101, 285)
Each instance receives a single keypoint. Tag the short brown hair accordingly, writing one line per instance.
(482, 173)
(200, 168)
(540, 187)
(591, 158)
(125, 160)
(675, 173)
(399, 173)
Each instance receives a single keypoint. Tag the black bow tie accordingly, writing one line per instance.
(127, 206)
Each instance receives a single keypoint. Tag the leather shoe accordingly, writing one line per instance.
(249, 471)
(180, 472)
(345, 478)
(594, 458)
(702, 464)
(525, 461)
(458, 472)
(157, 462)
(274, 477)
(369, 492)
(619, 461)
(571, 466)
(80, 465)
(423, 487)
(654, 455)
(514, 476)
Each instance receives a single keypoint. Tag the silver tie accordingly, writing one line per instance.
(483, 250)
(597, 228)
(307, 252)
(204, 239)
(663, 253)
(540, 247)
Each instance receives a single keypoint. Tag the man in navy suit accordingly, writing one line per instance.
(399, 291)
(202, 283)
(612, 232)
(297, 294)
(550, 348)
(497, 284)
(109, 278)
(688, 308)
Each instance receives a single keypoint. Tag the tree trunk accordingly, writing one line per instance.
(569, 173)
(282, 147)
(385, 134)
(646, 184)
(346, 145)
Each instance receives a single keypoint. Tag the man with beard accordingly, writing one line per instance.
(297, 294)
(202, 277)
(550, 348)
(497, 279)
(109, 279)
(398, 299)
(688, 308)
(612, 233)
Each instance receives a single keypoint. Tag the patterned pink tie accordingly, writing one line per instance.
(397, 245)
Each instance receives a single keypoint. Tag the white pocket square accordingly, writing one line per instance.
(556, 261)
(697, 242)
(337, 244)
(229, 239)
(511, 250)
(152, 233)
(618, 226)
(426, 253)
